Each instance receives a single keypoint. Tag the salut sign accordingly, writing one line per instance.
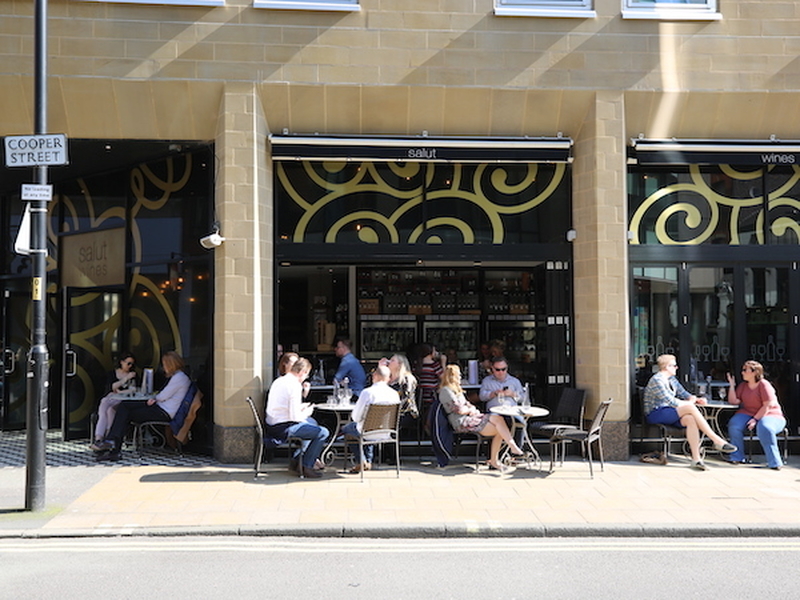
(36, 150)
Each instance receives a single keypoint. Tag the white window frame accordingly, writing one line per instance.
(319, 5)
(165, 2)
(675, 10)
(562, 9)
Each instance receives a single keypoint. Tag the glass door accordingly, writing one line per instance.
(768, 327)
(655, 318)
(92, 321)
(721, 316)
(15, 342)
(711, 324)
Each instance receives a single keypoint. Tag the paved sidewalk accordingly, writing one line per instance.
(628, 499)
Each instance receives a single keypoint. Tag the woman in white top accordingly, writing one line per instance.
(160, 408)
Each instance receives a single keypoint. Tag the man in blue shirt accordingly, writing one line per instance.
(350, 367)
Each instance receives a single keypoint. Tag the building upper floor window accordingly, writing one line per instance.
(327, 5)
(675, 10)
(582, 9)
(337, 5)
(167, 2)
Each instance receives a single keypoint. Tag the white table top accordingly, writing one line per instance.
(717, 404)
(335, 407)
(137, 396)
(520, 411)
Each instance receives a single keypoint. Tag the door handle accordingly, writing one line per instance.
(9, 361)
(70, 361)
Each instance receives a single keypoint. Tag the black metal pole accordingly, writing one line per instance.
(38, 383)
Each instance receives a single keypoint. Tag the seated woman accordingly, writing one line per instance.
(118, 380)
(464, 417)
(666, 402)
(402, 381)
(759, 410)
(405, 384)
(161, 408)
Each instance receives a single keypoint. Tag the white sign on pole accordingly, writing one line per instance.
(37, 191)
(36, 150)
(22, 245)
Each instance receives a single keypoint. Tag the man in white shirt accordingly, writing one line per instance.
(288, 416)
(378, 393)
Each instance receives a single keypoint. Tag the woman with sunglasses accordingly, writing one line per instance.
(667, 402)
(119, 379)
(465, 417)
(758, 409)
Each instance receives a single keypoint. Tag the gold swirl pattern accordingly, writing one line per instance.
(724, 206)
(153, 319)
(372, 202)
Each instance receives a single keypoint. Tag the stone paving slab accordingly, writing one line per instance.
(627, 499)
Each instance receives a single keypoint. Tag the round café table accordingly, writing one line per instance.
(520, 416)
(342, 414)
(712, 410)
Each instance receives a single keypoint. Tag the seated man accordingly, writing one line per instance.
(349, 367)
(378, 393)
(288, 416)
(500, 387)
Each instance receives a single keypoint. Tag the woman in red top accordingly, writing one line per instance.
(759, 409)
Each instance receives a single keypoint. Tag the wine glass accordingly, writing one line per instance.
(723, 392)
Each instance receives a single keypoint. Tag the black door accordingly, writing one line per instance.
(715, 317)
(15, 343)
(92, 325)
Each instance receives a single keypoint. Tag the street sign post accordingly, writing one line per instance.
(36, 150)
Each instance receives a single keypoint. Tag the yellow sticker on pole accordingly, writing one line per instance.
(37, 288)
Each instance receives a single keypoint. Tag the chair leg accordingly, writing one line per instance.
(361, 448)
(587, 447)
(785, 444)
(259, 456)
(397, 455)
(600, 451)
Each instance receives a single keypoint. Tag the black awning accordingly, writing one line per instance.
(422, 149)
(715, 152)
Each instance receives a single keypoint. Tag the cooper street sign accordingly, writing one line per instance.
(36, 150)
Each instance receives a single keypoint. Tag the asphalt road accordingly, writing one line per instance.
(254, 567)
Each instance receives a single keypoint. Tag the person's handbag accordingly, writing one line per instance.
(654, 458)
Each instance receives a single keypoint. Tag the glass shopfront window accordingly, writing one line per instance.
(715, 205)
(152, 211)
(714, 257)
(421, 203)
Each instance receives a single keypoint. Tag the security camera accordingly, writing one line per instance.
(212, 240)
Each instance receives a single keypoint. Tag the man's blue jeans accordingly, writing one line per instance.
(767, 430)
(369, 451)
(314, 435)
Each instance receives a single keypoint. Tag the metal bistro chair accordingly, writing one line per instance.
(174, 433)
(480, 440)
(569, 413)
(381, 426)
(751, 437)
(585, 436)
(667, 433)
(262, 442)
